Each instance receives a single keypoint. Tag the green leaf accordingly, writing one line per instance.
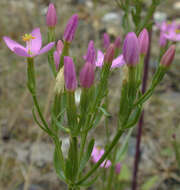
(58, 166)
(124, 147)
(87, 155)
(89, 183)
(104, 112)
(150, 183)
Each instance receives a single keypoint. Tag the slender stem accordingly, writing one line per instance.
(140, 124)
(96, 166)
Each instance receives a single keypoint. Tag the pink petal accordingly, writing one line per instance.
(21, 52)
(100, 59)
(46, 48)
(12, 44)
(37, 42)
(56, 56)
(118, 62)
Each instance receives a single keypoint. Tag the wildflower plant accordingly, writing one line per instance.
(77, 120)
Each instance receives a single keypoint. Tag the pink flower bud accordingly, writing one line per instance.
(91, 53)
(117, 42)
(168, 57)
(109, 55)
(131, 49)
(57, 53)
(106, 40)
(87, 75)
(71, 28)
(118, 168)
(143, 41)
(59, 46)
(69, 74)
(51, 17)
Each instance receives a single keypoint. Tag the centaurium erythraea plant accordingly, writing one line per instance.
(77, 120)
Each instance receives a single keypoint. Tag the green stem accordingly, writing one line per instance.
(112, 170)
(96, 166)
(65, 52)
(51, 38)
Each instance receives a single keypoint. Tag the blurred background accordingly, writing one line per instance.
(25, 151)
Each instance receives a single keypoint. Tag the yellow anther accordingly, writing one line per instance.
(178, 31)
(28, 37)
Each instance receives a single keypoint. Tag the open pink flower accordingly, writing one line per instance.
(96, 156)
(117, 62)
(33, 44)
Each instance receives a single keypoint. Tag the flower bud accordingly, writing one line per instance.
(71, 28)
(106, 41)
(168, 57)
(117, 42)
(87, 75)
(59, 85)
(109, 55)
(91, 53)
(143, 41)
(59, 46)
(118, 168)
(69, 74)
(131, 49)
(57, 53)
(51, 17)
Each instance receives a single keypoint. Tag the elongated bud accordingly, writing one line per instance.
(109, 55)
(51, 17)
(57, 53)
(71, 28)
(69, 74)
(168, 57)
(91, 53)
(118, 168)
(59, 85)
(131, 49)
(117, 42)
(106, 41)
(87, 75)
(143, 41)
(59, 46)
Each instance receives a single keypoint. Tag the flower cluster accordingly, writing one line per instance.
(169, 31)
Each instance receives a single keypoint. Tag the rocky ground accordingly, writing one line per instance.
(25, 151)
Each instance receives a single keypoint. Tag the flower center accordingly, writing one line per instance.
(28, 37)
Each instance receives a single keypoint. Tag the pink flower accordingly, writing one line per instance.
(168, 31)
(57, 53)
(143, 41)
(87, 75)
(131, 49)
(168, 57)
(96, 156)
(69, 74)
(117, 62)
(71, 28)
(51, 17)
(33, 44)
(91, 53)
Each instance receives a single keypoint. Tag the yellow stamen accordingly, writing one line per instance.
(178, 31)
(28, 37)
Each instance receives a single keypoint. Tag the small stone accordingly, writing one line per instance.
(176, 5)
